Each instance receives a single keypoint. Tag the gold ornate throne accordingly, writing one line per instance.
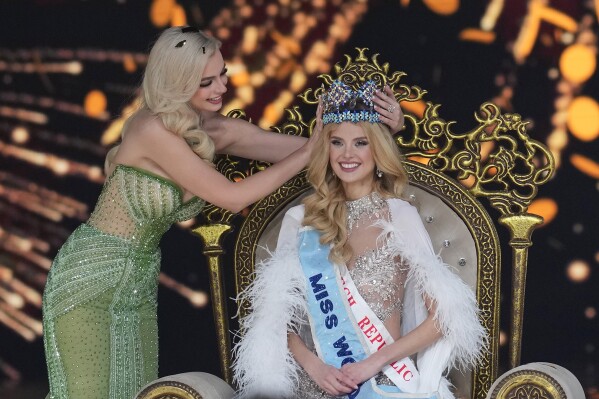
(456, 181)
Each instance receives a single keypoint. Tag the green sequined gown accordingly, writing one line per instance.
(100, 330)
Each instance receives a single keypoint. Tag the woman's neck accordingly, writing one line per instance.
(356, 191)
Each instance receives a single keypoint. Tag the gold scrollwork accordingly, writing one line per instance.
(508, 176)
(528, 384)
(361, 69)
(169, 390)
(495, 160)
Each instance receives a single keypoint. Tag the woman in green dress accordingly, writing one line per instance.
(100, 329)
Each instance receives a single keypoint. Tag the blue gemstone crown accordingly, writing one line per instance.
(342, 103)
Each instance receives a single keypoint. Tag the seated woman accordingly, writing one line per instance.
(354, 302)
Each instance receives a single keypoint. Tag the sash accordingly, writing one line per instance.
(336, 334)
(403, 373)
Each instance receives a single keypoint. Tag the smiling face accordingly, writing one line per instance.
(208, 97)
(351, 159)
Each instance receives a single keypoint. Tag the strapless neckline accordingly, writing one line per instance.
(158, 178)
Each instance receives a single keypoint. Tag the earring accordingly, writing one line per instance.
(379, 173)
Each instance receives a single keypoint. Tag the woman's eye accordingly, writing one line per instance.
(224, 72)
(336, 142)
(361, 143)
(206, 84)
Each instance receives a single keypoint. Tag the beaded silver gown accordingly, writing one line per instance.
(379, 277)
(99, 307)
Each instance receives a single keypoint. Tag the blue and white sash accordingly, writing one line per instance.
(334, 305)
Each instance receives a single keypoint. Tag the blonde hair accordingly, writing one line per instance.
(325, 209)
(171, 78)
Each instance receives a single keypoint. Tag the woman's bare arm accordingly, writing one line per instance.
(419, 338)
(244, 139)
(327, 377)
(149, 142)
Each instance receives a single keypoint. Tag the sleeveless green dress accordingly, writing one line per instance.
(99, 307)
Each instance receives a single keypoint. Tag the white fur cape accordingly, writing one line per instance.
(263, 365)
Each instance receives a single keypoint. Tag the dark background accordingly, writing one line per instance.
(413, 36)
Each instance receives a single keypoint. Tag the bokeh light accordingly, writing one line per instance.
(274, 50)
(161, 12)
(578, 63)
(578, 271)
(20, 135)
(95, 103)
(178, 17)
(583, 118)
(443, 7)
(545, 207)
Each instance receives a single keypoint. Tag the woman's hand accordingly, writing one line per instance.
(330, 379)
(317, 130)
(361, 371)
(390, 112)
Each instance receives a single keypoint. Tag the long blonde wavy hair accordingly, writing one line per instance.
(325, 208)
(172, 76)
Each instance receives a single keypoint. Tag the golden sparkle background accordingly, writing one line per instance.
(69, 69)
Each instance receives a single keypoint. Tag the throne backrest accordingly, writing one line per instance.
(453, 219)
(448, 174)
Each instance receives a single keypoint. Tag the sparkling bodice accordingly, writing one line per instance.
(140, 206)
(379, 277)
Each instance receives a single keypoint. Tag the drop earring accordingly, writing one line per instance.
(379, 173)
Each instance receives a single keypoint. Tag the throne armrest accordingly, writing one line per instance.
(542, 380)
(193, 385)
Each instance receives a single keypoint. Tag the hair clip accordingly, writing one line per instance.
(190, 29)
(186, 30)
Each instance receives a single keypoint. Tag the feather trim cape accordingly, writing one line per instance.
(264, 367)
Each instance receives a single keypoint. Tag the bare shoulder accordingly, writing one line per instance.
(145, 138)
(145, 125)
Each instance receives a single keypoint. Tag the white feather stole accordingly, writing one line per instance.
(264, 367)
(464, 339)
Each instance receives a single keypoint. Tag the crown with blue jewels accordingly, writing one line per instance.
(342, 103)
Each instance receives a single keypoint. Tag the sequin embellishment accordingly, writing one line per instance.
(100, 331)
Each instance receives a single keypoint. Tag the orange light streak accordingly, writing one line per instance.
(24, 115)
(585, 165)
(25, 320)
(71, 68)
(11, 323)
(87, 54)
(477, 35)
(11, 298)
(18, 246)
(489, 20)
(29, 294)
(66, 205)
(538, 11)
(62, 106)
(197, 299)
(52, 162)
